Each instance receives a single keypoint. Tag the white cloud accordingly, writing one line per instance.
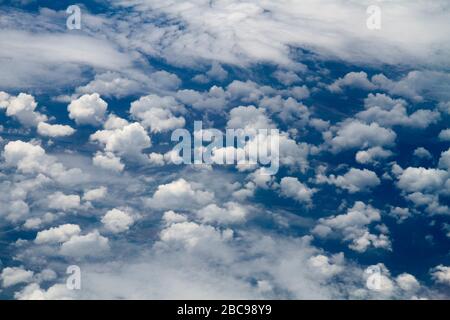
(441, 274)
(34, 292)
(180, 194)
(95, 194)
(21, 107)
(444, 135)
(355, 134)
(232, 212)
(88, 109)
(357, 80)
(15, 275)
(407, 282)
(421, 179)
(352, 226)
(372, 155)
(108, 161)
(291, 187)
(422, 153)
(58, 234)
(356, 180)
(54, 130)
(157, 113)
(60, 201)
(92, 244)
(128, 141)
(117, 221)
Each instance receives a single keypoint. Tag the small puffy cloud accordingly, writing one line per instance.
(191, 235)
(21, 107)
(32, 159)
(108, 161)
(95, 194)
(356, 180)
(372, 155)
(358, 80)
(353, 226)
(441, 274)
(92, 244)
(355, 134)
(249, 119)
(231, 212)
(128, 141)
(422, 153)
(407, 282)
(15, 275)
(180, 194)
(325, 266)
(444, 160)
(444, 135)
(61, 201)
(158, 113)
(421, 179)
(58, 234)
(170, 217)
(34, 292)
(291, 187)
(88, 109)
(54, 130)
(286, 77)
(117, 221)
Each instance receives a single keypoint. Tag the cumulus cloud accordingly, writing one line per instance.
(356, 180)
(117, 221)
(232, 212)
(15, 275)
(21, 107)
(353, 226)
(128, 142)
(58, 234)
(61, 201)
(54, 130)
(157, 113)
(355, 134)
(441, 274)
(291, 187)
(180, 194)
(89, 245)
(88, 109)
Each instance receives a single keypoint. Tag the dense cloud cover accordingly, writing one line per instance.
(89, 175)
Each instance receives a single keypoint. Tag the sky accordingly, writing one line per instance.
(358, 93)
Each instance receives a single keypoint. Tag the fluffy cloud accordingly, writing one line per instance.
(157, 113)
(352, 226)
(355, 134)
(128, 142)
(108, 161)
(88, 109)
(21, 107)
(291, 187)
(421, 179)
(58, 234)
(54, 130)
(372, 155)
(356, 180)
(15, 275)
(231, 212)
(180, 194)
(441, 274)
(60, 201)
(117, 221)
(354, 80)
(92, 245)
(95, 194)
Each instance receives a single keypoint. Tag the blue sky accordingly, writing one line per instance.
(87, 176)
